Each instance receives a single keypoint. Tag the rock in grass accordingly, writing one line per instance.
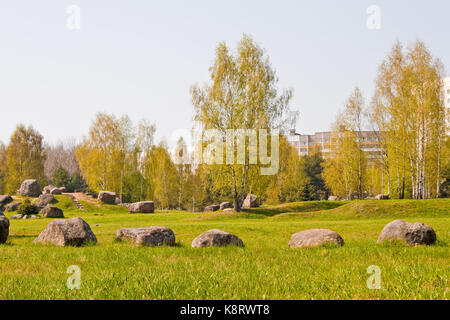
(4, 229)
(251, 201)
(315, 237)
(142, 207)
(44, 200)
(71, 232)
(48, 189)
(216, 238)
(212, 208)
(52, 212)
(5, 199)
(412, 233)
(30, 188)
(226, 205)
(13, 206)
(150, 237)
(56, 191)
(107, 197)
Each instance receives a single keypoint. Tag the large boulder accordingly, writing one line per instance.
(30, 188)
(13, 207)
(333, 198)
(71, 232)
(44, 200)
(4, 229)
(412, 233)
(226, 205)
(382, 197)
(251, 201)
(315, 237)
(150, 237)
(48, 189)
(212, 208)
(4, 200)
(56, 191)
(52, 212)
(142, 207)
(107, 197)
(216, 238)
(63, 189)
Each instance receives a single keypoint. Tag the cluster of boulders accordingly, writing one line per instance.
(76, 232)
(398, 230)
(158, 236)
(32, 188)
(251, 201)
(109, 197)
(50, 189)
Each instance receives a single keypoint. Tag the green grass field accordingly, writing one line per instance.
(265, 269)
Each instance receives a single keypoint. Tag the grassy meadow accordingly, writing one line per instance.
(265, 269)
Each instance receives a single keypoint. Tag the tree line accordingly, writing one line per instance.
(406, 115)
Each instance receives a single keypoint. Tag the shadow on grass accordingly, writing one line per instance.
(307, 206)
(23, 236)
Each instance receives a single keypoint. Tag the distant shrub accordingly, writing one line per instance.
(91, 192)
(27, 208)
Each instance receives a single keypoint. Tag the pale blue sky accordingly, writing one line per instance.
(141, 57)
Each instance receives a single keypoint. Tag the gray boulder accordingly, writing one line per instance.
(413, 233)
(226, 205)
(251, 201)
(4, 229)
(107, 197)
(30, 188)
(315, 237)
(13, 207)
(212, 208)
(5, 199)
(382, 197)
(56, 191)
(18, 216)
(48, 189)
(141, 207)
(216, 238)
(44, 199)
(333, 198)
(71, 232)
(150, 237)
(52, 212)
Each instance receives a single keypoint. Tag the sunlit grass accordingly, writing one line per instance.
(265, 269)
